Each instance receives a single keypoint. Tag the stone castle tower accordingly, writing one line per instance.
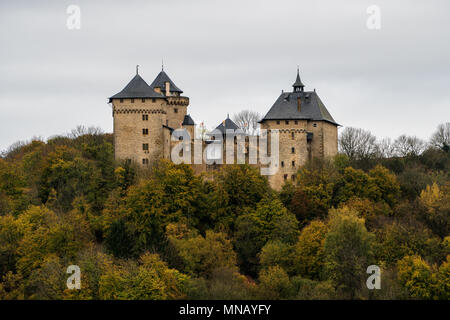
(146, 115)
(306, 130)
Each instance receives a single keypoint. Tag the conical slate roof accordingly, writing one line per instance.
(136, 88)
(160, 81)
(227, 124)
(298, 82)
(187, 121)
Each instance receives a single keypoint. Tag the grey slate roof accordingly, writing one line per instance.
(187, 121)
(312, 108)
(227, 124)
(160, 81)
(298, 82)
(136, 88)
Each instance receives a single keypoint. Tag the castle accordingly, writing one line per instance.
(145, 116)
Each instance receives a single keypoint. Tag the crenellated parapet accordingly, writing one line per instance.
(178, 101)
(143, 111)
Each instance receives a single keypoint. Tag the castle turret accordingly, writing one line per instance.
(189, 125)
(306, 130)
(144, 117)
(176, 104)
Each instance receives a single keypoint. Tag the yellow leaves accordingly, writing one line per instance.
(149, 279)
(431, 196)
(344, 215)
(309, 249)
(416, 275)
(119, 173)
(11, 287)
(274, 283)
(201, 255)
(177, 231)
(47, 233)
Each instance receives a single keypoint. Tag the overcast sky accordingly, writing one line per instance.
(226, 56)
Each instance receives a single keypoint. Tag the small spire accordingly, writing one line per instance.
(137, 69)
(162, 64)
(298, 85)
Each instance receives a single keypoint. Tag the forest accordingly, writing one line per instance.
(166, 233)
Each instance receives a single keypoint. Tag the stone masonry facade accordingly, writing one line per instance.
(146, 115)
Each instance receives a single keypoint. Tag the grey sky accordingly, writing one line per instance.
(226, 56)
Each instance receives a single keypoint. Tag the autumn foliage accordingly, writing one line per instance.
(166, 233)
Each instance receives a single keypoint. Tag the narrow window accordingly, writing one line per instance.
(175, 110)
(132, 100)
(293, 163)
(121, 100)
(153, 100)
(296, 122)
(143, 100)
(145, 161)
(145, 146)
(282, 163)
(285, 177)
(315, 124)
(293, 136)
(145, 131)
(287, 121)
(293, 177)
(292, 150)
(145, 117)
(278, 122)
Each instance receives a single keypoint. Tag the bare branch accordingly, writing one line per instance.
(247, 120)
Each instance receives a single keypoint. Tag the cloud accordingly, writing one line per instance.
(226, 56)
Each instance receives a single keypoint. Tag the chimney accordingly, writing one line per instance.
(299, 104)
(167, 88)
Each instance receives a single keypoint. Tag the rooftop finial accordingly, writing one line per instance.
(162, 64)
(298, 85)
(137, 69)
